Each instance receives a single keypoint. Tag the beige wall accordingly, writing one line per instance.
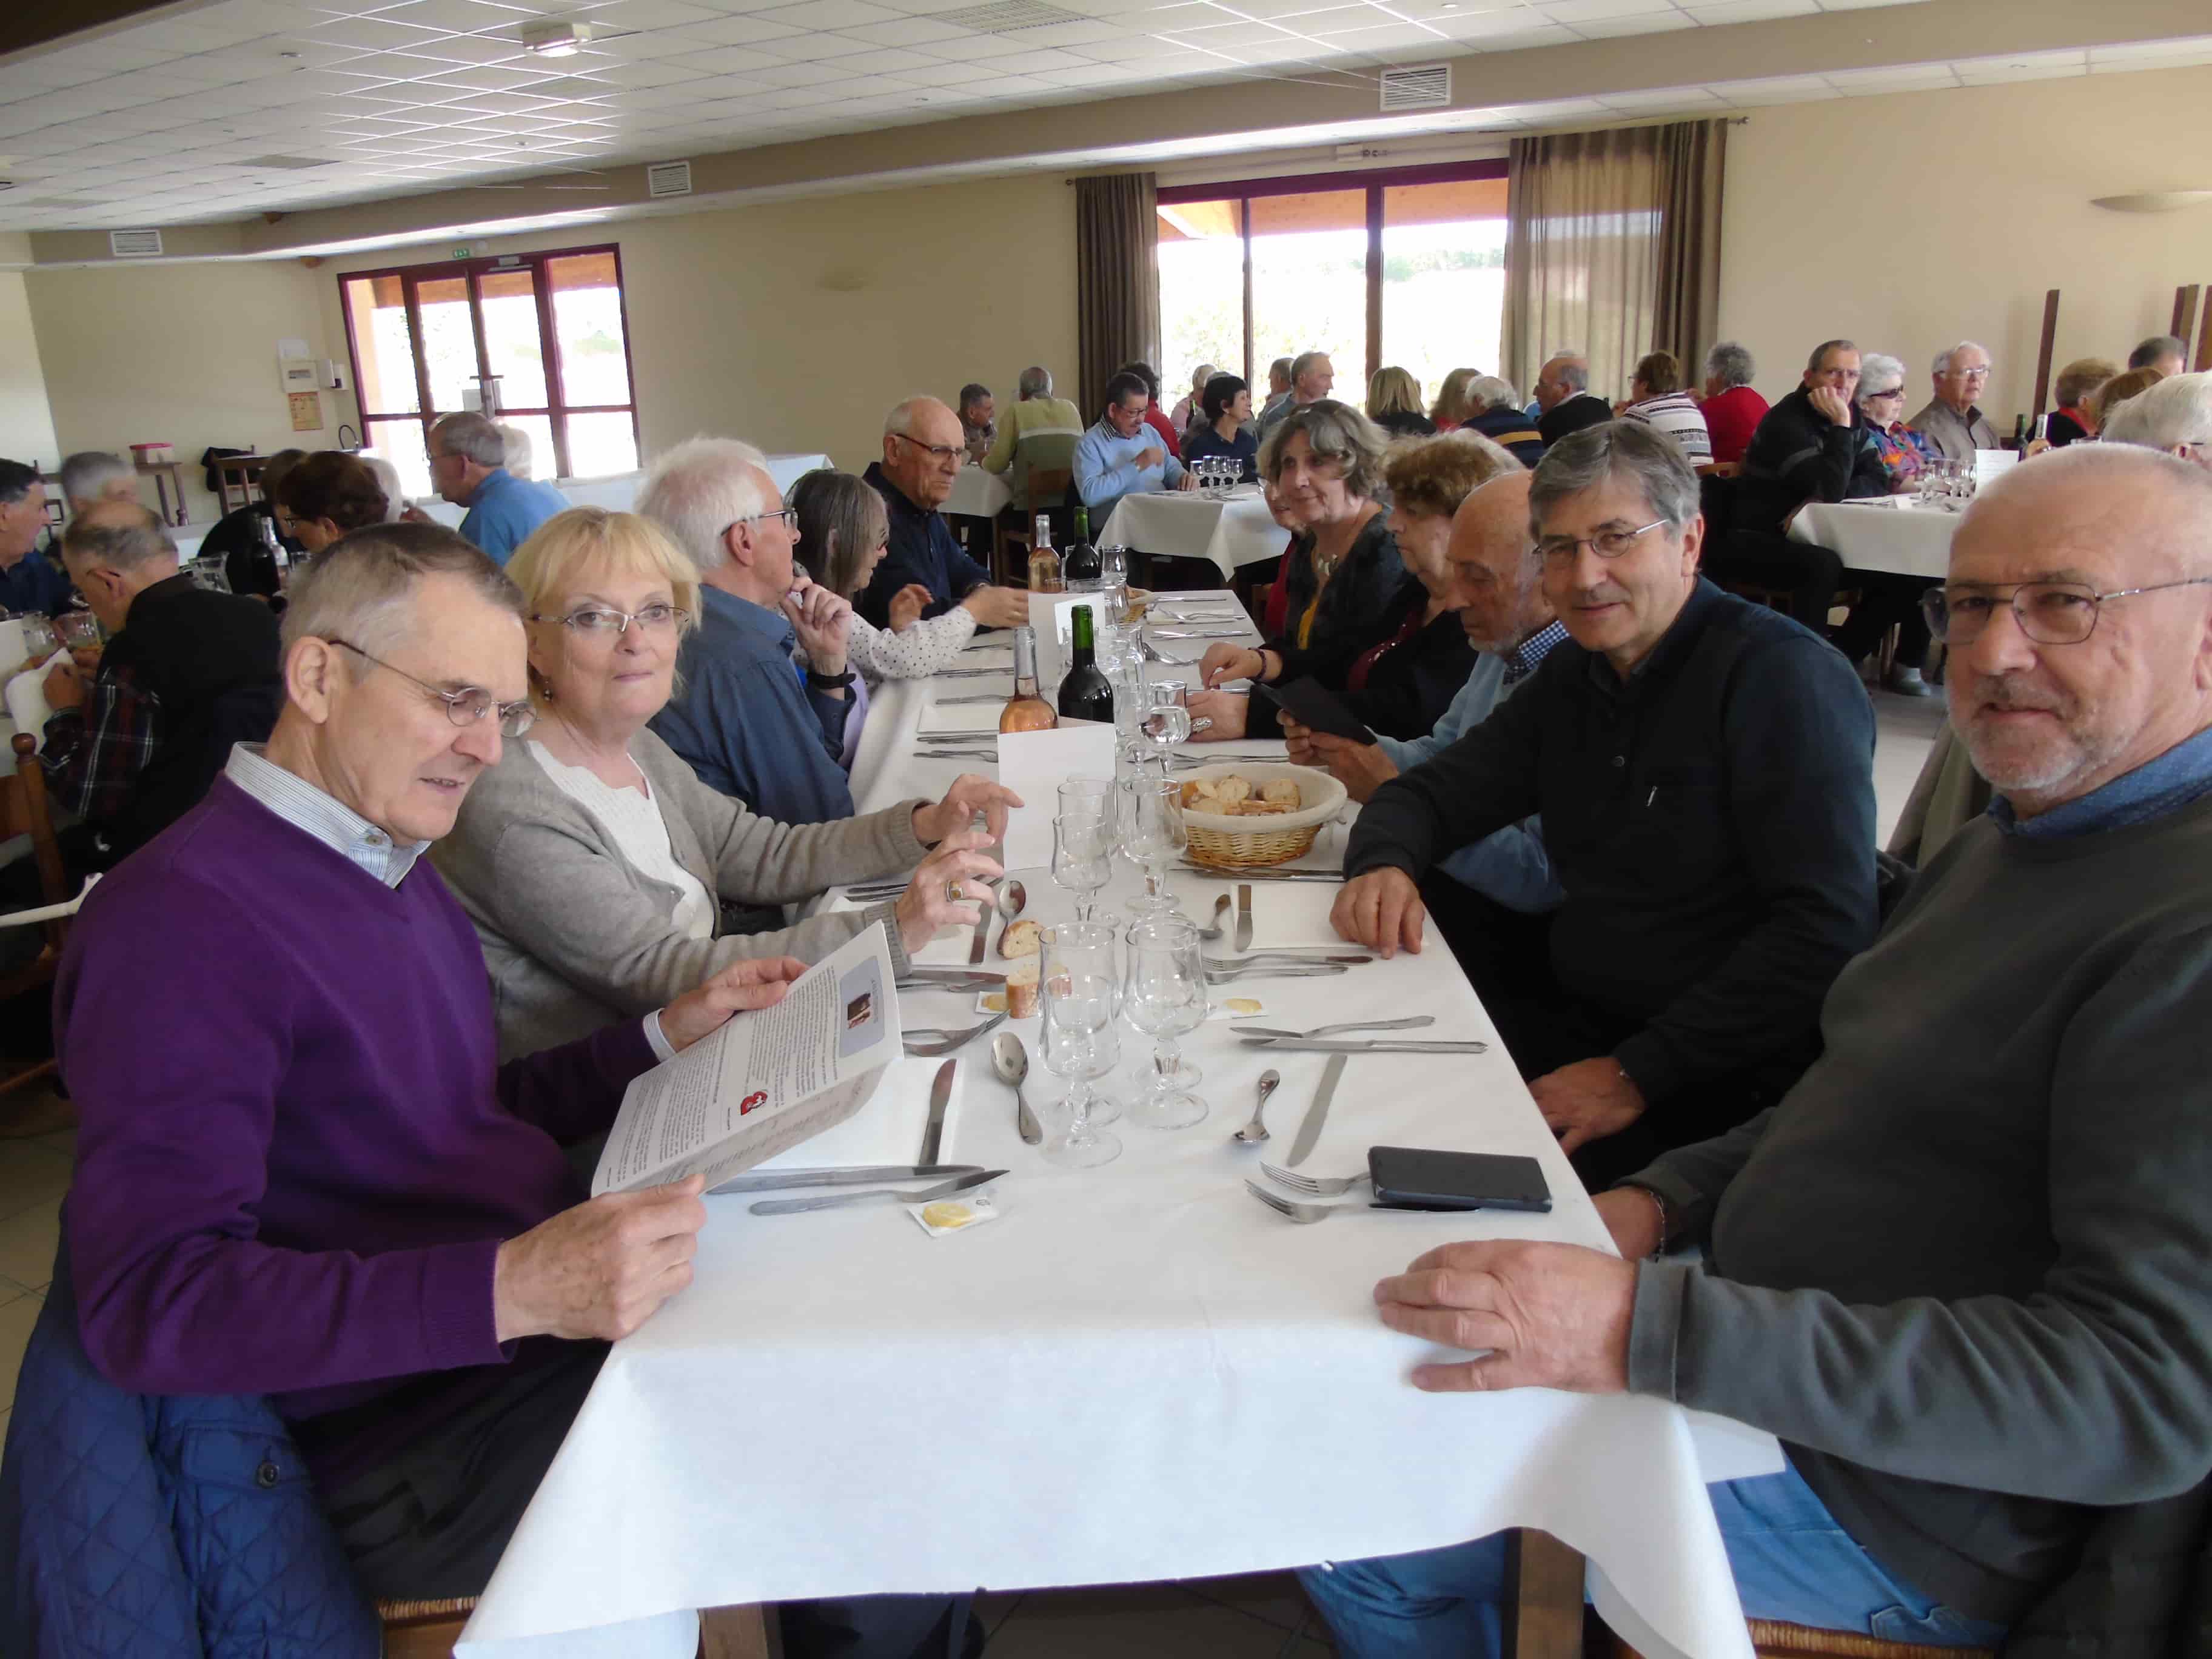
(186, 353)
(26, 425)
(1830, 229)
(797, 325)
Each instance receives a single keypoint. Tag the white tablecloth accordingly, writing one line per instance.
(1137, 1373)
(1902, 537)
(1231, 532)
(978, 494)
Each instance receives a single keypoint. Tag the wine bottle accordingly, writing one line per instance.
(2019, 431)
(1087, 694)
(1045, 575)
(1026, 711)
(1081, 563)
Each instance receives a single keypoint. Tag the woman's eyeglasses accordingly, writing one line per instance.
(599, 622)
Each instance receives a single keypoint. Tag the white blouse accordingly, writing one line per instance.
(632, 818)
(924, 648)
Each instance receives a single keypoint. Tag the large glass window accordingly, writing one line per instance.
(537, 340)
(1405, 268)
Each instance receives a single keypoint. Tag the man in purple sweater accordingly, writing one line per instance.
(299, 1172)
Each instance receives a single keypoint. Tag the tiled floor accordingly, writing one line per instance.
(1262, 1616)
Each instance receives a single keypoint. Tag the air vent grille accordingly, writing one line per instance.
(1009, 17)
(1422, 86)
(668, 178)
(134, 243)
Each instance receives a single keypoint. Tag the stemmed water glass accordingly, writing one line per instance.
(1151, 830)
(1091, 797)
(1077, 996)
(1082, 858)
(1166, 720)
(1165, 995)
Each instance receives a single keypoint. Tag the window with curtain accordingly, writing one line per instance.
(1403, 268)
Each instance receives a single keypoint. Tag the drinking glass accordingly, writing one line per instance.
(40, 640)
(76, 629)
(1077, 996)
(1150, 831)
(1166, 720)
(1091, 798)
(1082, 858)
(1164, 996)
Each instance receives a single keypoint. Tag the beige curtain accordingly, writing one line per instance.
(1612, 248)
(1117, 284)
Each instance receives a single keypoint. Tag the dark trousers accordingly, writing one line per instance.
(1506, 958)
(1885, 601)
(1809, 574)
(429, 1522)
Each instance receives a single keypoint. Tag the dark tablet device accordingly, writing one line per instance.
(1312, 704)
(1408, 1178)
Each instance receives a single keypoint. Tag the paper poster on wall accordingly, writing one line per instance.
(306, 411)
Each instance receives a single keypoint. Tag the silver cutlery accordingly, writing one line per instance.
(1331, 875)
(768, 1181)
(968, 674)
(940, 1096)
(1309, 1132)
(1244, 916)
(1011, 1060)
(948, 702)
(1255, 1132)
(965, 979)
(1201, 633)
(927, 1043)
(838, 1201)
(1348, 955)
(1411, 1023)
(954, 737)
(1315, 1186)
(1304, 1214)
(1213, 933)
(1342, 1046)
(1306, 970)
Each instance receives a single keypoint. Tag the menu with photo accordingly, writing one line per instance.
(766, 1081)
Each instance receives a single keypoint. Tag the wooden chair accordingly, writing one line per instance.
(24, 812)
(428, 1630)
(1046, 490)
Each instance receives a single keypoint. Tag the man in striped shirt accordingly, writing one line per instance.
(1657, 397)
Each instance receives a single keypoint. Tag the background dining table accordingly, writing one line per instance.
(1138, 1372)
(1894, 534)
(1228, 531)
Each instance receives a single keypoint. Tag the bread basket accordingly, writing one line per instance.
(1221, 843)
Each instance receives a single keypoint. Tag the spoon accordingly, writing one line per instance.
(1012, 1062)
(1220, 909)
(1013, 899)
(1255, 1132)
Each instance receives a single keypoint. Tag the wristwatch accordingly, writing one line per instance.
(830, 682)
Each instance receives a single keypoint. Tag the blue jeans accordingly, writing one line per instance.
(1792, 1562)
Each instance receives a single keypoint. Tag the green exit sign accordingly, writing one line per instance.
(464, 252)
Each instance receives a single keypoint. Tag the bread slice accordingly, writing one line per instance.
(1022, 987)
(1021, 939)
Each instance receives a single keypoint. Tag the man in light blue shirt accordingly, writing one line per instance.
(468, 455)
(1122, 456)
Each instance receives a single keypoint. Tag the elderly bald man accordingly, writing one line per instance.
(1953, 421)
(1563, 394)
(2174, 415)
(924, 445)
(1960, 1268)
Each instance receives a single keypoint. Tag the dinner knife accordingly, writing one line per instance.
(977, 946)
(768, 1181)
(1336, 876)
(947, 702)
(836, 1200)
(1342, 1046)
(1316, 1113)
(940, 1096)
(1245, 917)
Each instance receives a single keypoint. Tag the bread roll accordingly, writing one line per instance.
(1022, 989)
(1195, 793)
(1281, 791)
(1021, 939)
(1233, 788)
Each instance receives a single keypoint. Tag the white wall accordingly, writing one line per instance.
(27, 423)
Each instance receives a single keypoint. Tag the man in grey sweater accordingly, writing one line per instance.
(1963, 1270)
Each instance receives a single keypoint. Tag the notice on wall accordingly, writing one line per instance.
(306, 411)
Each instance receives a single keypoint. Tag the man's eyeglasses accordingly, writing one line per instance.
(596, 622)
(1560, 551)
(2050, 613)
(940, 453)
(465, 707)
(786, 516)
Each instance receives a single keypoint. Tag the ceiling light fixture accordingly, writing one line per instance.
(2153, 201)
(555, 39)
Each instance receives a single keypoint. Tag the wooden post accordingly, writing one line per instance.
(1548, 1611)
(2185, 311)
(2043, 356)
(2204, 344)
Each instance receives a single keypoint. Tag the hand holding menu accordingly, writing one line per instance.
(764, 1082)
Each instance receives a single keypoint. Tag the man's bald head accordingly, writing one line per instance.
(1496, 574)
(923, 445)
(2047, 721)
(116, 533)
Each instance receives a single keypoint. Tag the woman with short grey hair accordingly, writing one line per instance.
(1887, 600)
(844, 532)
(1905, 453)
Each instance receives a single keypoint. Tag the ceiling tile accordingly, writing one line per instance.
(1780, 89)
(646, 14)
(1610, 29)
(731, 32)
(829, 13)
(1571, 12)
(732, 60)
(799, 75)
(1750, 11)
(910, 32)
(1023, 62)
(887, 60)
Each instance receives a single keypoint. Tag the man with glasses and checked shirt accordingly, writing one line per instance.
(924, 447)
(1961, 1269)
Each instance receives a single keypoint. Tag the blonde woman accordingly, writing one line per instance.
(1453, 408)
(592, 860)
(1394, 403)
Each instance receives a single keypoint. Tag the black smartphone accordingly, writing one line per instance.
(1408, 1178)
(1312, 704)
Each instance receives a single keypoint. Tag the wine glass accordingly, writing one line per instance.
(1083, 858)
(1076, 994)
(1165, 995)
(1165, 720)
(1091, 797)
(1152, 830)
(40, 640)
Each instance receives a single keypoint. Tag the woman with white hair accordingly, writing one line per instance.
(1887, 600)
(1905, 453)
(1185, 416)
(592, 862)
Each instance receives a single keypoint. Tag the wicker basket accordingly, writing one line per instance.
(1227, 843)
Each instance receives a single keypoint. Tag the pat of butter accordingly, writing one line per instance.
(953, 1215)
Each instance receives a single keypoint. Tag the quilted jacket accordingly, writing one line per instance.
(160, 1526)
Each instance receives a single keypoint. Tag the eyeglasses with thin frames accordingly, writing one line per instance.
(1560, 551)
(465, 707)
(602, 622)
(2050, 613)
(938, 453)
(786, 516)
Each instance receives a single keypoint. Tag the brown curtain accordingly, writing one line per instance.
(1117, 283)
(1612, 248)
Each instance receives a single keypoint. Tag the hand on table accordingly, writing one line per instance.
(906, 606)
(1381, 910)
(1230, 662)
(968, 795)
(925, 910)
(1361, 767)
(1631, 1214)
(1832, 402)
(64, 684)
(1225, 708)
(600, 1269)
(1188, 481)
(1551, 1315)
(1587, 1101)
(759, 982)
(999, 607)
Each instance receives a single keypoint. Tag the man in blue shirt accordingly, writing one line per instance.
(468, 463)
(29, 582)
(746, 719)
(1122, 455)
(924, 445)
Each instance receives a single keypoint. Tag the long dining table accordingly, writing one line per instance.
(1139, 1371)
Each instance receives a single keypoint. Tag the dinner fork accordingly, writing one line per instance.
(935, 1040)
(1411, 1023)
(1304, 1214)
(1313, 1185)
